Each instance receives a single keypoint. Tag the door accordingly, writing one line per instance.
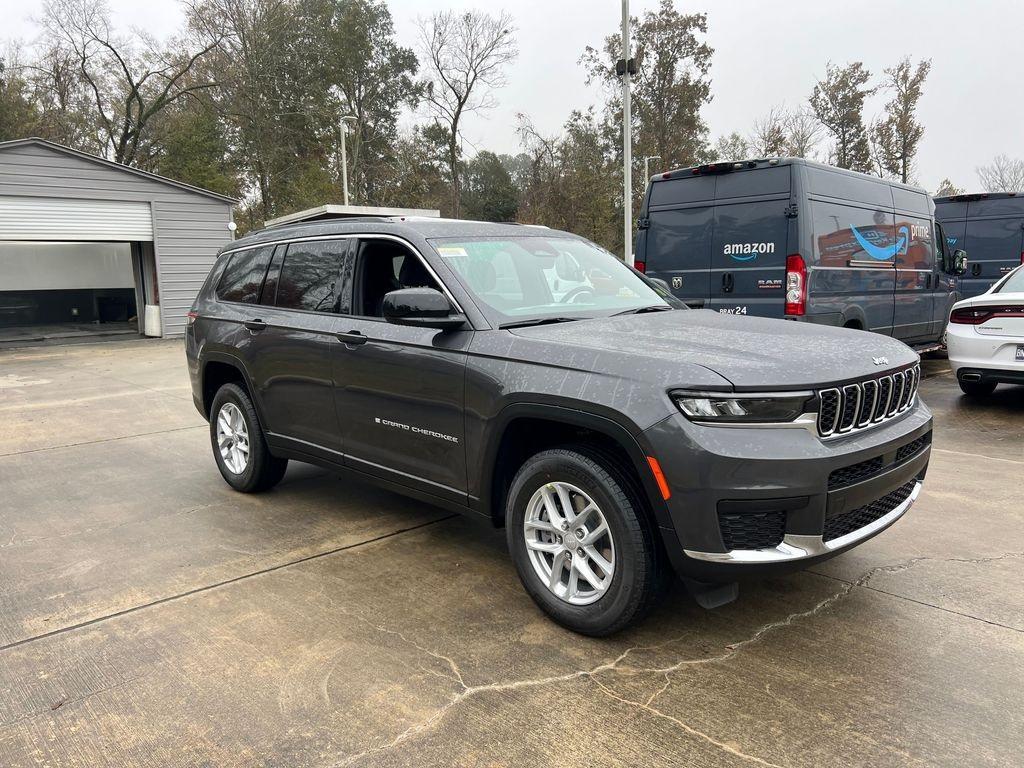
(288, 342)
(678, 250)
(995, 242)
(914, 297)
(399, 390)
(748, 258)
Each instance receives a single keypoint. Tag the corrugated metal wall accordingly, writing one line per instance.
(188, 226)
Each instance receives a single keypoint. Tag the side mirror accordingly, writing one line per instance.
(959, 261)
(422, 308)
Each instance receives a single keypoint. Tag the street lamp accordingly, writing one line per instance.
(344, 161)
(647, 167)
(624, 69)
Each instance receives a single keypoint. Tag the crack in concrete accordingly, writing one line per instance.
(731, 650)
(688, 728)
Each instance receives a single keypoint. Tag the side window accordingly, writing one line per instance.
(917, 237)
(844, 233)
(269, 292)
(310, 276)
(243, 275)
(385, 266)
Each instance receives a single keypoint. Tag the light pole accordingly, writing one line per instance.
(647, 167)
(344, 159)
(627, 142)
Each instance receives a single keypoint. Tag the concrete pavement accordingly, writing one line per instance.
(151, 616)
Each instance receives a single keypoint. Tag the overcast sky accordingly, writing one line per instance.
(766, 54)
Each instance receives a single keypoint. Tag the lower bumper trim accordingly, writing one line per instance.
(798, 547)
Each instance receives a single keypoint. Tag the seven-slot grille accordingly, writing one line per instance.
(865, 403)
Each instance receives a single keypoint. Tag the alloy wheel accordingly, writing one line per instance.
(569, 543)
(233, 438)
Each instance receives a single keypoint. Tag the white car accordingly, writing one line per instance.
(985, 337)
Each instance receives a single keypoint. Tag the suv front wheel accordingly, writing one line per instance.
(580, 540)
(238, 444)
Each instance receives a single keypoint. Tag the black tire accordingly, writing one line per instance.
(641, 574)
(263, 470)
(977, 388)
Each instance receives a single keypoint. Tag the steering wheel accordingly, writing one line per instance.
(579, 290)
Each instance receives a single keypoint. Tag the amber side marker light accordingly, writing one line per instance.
(659, 477)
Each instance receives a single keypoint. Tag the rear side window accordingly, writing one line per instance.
(1014, 283)
(243, 275)
(843, 233)
(310, 276)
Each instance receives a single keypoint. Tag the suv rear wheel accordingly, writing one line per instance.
(238, 443)
(580, 542)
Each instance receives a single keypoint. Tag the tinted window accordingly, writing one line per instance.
(310, 276)
(243, 275)
(269, 293)
(916, 241)
(843, 233)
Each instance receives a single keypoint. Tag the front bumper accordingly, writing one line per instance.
(719, 476)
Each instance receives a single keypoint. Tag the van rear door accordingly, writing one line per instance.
(751, 237)
(994, 241)
(676, 244)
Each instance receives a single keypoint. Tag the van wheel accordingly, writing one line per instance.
(977, 388)
(238, 443)
(580, 542)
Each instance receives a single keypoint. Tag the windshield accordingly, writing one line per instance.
(547, 277)
(1014, 283)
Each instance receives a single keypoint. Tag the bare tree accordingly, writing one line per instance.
(803, 132)
(128, 86)
(464, 55)
(731, 147)
(1003, 174)
(768, 138)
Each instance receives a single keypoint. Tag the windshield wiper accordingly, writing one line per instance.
(642, 310)
(539, 321)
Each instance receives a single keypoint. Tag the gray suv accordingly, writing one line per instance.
(528, 376)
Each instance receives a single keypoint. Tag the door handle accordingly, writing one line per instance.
(255, 325)
(727, 282)
(352, 337)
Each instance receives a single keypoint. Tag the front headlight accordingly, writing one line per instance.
(754, 408)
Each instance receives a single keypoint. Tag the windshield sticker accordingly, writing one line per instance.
(452, 253)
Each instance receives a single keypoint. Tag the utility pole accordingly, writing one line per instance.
(344, 159)
(647, 166)
(627, 140)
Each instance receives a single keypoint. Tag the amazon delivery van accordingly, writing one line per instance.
(990, 227)
(792, 238)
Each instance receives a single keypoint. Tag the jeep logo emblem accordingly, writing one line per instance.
(677, 282)
(880, 360)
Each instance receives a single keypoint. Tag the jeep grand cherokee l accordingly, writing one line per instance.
(529, 376)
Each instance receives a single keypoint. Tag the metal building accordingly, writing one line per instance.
(88, 245)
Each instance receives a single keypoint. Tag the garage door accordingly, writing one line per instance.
(44, 218)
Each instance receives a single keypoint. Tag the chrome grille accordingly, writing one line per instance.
(865, 403)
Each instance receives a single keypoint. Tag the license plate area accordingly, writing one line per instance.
(1020, 353)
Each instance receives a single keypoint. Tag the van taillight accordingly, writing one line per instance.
(190, 317)
(796, 285)
(641, 266)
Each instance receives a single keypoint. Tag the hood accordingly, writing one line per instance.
(752, 353)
